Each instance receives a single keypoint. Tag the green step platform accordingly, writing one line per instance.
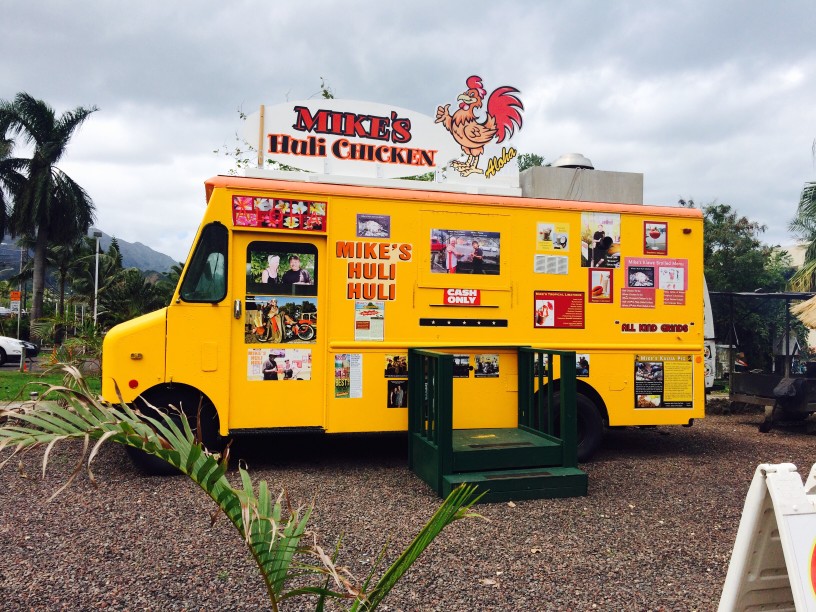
(524, 462)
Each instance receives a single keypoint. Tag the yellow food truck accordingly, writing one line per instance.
(299, 301)
(304, 292)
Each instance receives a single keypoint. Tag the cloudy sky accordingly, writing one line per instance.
(709, 100)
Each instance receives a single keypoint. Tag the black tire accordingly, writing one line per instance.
(189, 399)
(305, 331)
(590, 425)
(3, 357)
(151, 464)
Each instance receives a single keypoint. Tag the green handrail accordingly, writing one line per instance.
(430, 406)
(535, 366)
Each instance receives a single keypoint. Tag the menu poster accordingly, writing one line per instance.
(558, 309)
(664, 381)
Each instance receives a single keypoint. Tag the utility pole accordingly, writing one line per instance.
(97, 235)
(20, 308)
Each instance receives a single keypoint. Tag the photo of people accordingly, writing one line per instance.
(373, 226)
(544, 313)
(465, 252)
(600, 240)
(397, 393)
(461, 366)
(279, 364)
(281, 268)
(655, 238)
(396, 366)
(277, 319)
(582, 365)
(641, 276)
(487, 366)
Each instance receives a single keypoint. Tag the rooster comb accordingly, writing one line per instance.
(475, 82)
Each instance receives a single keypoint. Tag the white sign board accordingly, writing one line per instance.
(468, 137)
(773, 564)
(351, 138)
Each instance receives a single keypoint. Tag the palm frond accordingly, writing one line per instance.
(273, 534)
(456, 506)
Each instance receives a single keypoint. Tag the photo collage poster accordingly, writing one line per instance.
(280, 309)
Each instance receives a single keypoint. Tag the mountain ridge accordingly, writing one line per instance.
(134, 255)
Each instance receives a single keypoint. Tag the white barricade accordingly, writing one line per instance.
(773, 564)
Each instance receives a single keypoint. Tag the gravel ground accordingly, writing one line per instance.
(654, 533)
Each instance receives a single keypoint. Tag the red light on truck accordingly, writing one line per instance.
(133, 384)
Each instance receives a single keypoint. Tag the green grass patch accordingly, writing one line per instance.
(14, 385)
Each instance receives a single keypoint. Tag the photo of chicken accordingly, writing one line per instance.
(503, 117)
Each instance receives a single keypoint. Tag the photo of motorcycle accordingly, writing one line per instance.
(277, 326)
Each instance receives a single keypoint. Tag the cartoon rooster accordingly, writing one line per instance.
(503, 116)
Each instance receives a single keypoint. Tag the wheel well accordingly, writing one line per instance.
(588, 391)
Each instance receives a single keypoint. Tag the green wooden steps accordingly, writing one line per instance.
(524, 462)
(530, 483)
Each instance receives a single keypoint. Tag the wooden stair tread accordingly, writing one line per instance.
(470, 440)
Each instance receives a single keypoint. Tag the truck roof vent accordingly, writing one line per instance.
(573, 160)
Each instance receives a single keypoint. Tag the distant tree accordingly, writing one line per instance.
(166, 285)
(129, 295)
(11, 179)
(529, 160)
(326, 92)
(48, 206)
(83, 273)
(115, 252)
(803, 226)
(736, 260)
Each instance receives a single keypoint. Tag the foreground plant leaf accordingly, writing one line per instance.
(272, 534)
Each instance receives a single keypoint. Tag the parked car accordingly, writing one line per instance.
(11, 349)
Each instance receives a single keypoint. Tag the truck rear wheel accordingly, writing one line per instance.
(590, 425)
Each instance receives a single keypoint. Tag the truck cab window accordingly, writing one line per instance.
(206, 277)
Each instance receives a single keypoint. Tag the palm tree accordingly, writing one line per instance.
(169, 281)
(128, 296)
(803, 227)
(10, 179)
(49, 206)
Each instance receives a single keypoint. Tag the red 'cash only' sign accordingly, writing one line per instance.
(462, 297)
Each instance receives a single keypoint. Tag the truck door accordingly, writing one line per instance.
(278, 344)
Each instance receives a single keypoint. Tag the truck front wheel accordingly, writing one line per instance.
(200, 413)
